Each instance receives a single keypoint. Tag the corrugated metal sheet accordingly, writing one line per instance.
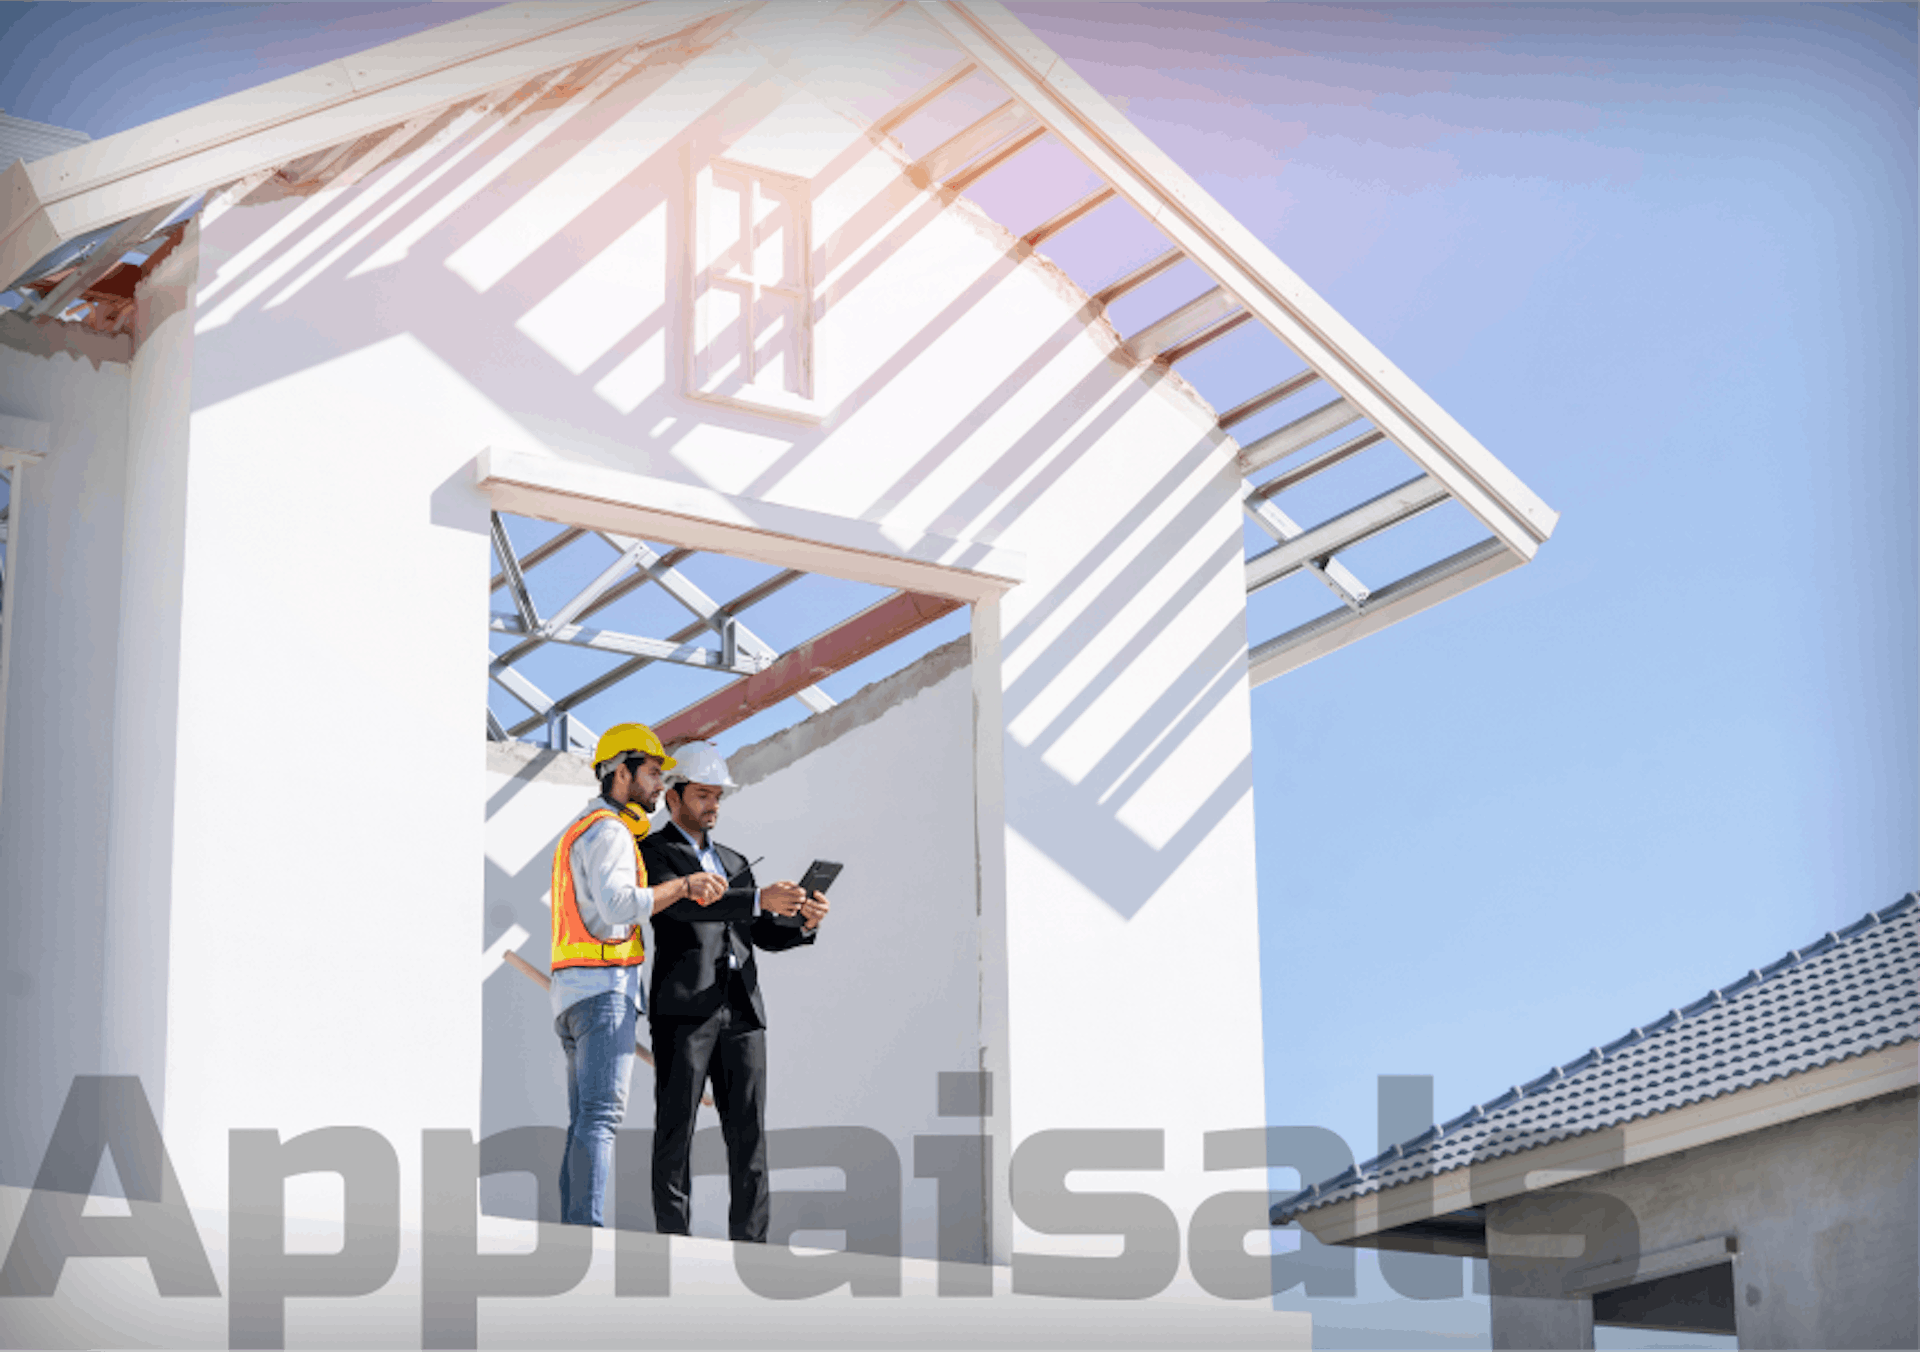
(29, 141)
(1853, 991)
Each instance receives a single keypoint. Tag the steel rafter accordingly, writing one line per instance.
(608, 679)
(516, 580)
(545, 709)
(628, 645)
(741, 652)
(720, 618)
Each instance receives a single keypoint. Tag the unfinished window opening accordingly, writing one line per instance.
(588, 628)
(751, 274)
(1699, 1302)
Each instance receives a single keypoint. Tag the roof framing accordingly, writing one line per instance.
(1245, 268)
(341, 121)
(319, 110)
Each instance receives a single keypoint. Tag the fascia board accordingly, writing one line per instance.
(1230, 253)
(28, 235)
(600, 498)
(177, 157)
(1359, 1220)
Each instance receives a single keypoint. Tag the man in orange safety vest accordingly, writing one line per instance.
(600, 894)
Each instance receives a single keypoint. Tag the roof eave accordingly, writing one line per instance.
(204, 148)
(1366, 1221)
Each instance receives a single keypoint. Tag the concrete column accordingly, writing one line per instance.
(1542, 1322)
(1825, 1214)
(138, 780)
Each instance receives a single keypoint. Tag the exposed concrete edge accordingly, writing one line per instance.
(537, 765)
(169, 289)
(751, 764)
(50, 337)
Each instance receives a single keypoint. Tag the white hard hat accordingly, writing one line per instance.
(700, 763)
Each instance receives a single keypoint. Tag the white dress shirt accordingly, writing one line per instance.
(710, 861)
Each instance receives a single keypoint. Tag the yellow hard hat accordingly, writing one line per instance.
(626, 738)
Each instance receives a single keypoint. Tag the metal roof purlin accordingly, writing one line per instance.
(1230, 253)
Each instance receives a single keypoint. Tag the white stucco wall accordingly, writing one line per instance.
(59, 731)
(86, 835)
(861, 1024)
(356, 350)
(1822, 1211)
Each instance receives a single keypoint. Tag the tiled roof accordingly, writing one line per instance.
(21, 139)
(1853, 991)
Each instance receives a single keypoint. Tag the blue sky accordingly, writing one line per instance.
(1660, 260)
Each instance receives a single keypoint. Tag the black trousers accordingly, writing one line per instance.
(728, 1047)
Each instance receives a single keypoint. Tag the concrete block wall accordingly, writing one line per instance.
(1825, 1211)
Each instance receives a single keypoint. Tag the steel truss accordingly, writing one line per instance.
(716, 639)
(1372, 402)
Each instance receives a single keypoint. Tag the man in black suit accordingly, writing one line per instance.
(705, 1012)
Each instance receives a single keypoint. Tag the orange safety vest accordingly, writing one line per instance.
(573, 943)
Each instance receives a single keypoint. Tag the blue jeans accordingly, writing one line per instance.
(598, 1035)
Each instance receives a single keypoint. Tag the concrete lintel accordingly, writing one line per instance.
(1645, 1267)
(599, 498)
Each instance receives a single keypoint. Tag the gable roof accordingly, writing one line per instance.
(333, 125)
(1851, 992)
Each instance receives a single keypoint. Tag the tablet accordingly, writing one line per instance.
(818, 878)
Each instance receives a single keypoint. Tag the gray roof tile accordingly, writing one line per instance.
(21, 139)
(1849, 992)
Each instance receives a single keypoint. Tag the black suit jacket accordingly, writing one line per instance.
(690, 940)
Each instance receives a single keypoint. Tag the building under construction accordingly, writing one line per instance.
(683, 357)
